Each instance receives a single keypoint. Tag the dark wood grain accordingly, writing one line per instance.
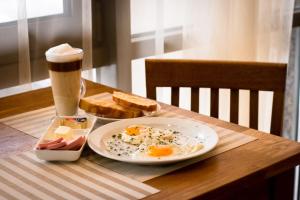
(234, 75)
(241, 173)
(214, 102)
(195, 99)
(213, 74)
(234, 106)
(253, 109)
(150, 89)
(175, 96)
(277, 112)
(279, 190)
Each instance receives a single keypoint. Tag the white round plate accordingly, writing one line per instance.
(97, 138)
(146, 114)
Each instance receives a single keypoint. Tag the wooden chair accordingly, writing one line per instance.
(253, 76)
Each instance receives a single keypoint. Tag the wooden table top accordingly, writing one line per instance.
(244, 166)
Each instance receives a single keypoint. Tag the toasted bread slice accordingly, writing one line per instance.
(132, 101)
(108, 108)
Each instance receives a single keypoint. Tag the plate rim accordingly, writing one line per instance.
(156, 161)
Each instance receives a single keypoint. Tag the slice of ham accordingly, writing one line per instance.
(61, 144)
(51, 142)
(57, 145)
(74, 144)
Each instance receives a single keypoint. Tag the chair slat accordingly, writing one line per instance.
(214, 102)
(151, 92)
(195, 99)
(175, 96)
(234, 106)
(254, 109)
(277, 113)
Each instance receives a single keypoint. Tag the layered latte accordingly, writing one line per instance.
(64, 64)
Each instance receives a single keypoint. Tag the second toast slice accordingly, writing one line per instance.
(133, 101)
(106, 107)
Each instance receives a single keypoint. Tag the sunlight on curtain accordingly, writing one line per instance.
(87, 44)
(23, 44)
(255, 30)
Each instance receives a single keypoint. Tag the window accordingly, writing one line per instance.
(34, 8)
(43, 15)
(51, 22)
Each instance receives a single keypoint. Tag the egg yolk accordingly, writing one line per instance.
(132, 130)
(158, 151)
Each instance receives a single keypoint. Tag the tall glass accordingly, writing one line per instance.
(64, 64)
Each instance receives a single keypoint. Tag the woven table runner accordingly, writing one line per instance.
(36, 122)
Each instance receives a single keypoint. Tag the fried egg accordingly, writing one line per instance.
(158, 151)
(134, 134)
(140, 141)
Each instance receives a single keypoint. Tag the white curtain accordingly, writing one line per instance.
(23, 44)
(256, 30)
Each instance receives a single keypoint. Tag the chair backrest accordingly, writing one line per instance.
(253, 76)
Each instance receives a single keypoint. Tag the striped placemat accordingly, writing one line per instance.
(36, 122)
(26, 177)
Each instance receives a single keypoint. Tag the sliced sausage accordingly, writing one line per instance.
(45, 144)
(57, 145)
(74, 144)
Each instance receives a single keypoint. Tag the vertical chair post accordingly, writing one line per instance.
(214, 102)
(234, 106)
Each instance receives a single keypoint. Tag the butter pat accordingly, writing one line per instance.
(75, 122)
(64, 132)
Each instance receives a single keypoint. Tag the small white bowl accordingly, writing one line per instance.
(63, 155)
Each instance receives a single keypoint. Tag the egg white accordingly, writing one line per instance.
(136, 146)
(135, 139)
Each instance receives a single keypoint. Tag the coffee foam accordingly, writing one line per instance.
(63, 53)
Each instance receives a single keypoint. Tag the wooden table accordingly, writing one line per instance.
(258, 170)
